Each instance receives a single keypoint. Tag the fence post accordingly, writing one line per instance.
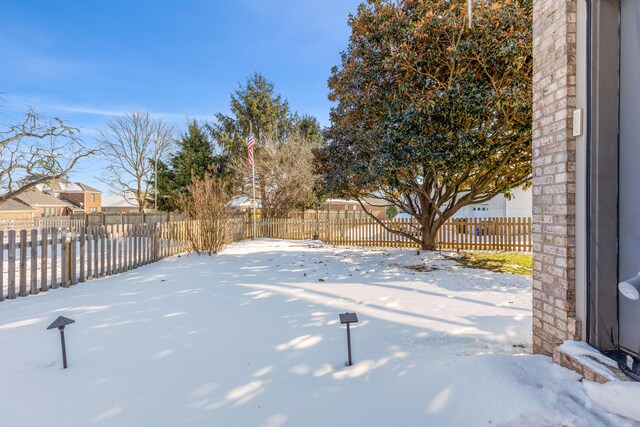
(114, 249)
(1, 265)
(135, 246)
(89, 253)
(12, 265)
(96, 251)
(44, 246)
(108, 242)
(82, 252)
(54, 258)
(156, 240)
(64, 258)
(23, 263)
(34, 262)
(102, 250)
(72, 256)
(124, 237)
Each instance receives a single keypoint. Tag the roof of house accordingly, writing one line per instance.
(38, 198)
(62, 186)
(119, 201)
(13, 205)
(244, 202)
(367, 201)
(73, 206)
(346, 202)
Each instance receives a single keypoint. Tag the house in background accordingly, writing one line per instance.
(377, 207)
(519, 205)
(243, 203)
(76, 193)
(15, 209)
(118, 203)
(43, 205)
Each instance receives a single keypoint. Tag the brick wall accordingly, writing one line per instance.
(554, 180)
(93, 202)
(86, 200)
(590, 368)
(75, 198)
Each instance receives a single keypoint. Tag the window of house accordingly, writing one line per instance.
(93, 198)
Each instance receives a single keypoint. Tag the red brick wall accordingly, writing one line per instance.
(86, 200)
(93, 201)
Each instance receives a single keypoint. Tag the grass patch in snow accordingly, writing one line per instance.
(500, 262)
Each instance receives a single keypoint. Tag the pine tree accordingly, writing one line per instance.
(195, 156)
(256, 107)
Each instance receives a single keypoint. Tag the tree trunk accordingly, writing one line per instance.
(429, 236)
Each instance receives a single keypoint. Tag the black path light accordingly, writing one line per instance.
(60, 323)
(348, 319)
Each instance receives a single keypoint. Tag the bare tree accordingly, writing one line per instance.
(132, 143)
(35, 151)
(207, 205)
(285, 177)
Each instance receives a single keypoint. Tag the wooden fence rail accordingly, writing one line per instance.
(81, 220)
(498, 234)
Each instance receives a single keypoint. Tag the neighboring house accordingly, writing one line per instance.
(586, 157)
(44, 205)
(14, 209)
(118, 203)
(519, 205)
(376, 206)
(77, 193)
(243, 203)
(74, 209)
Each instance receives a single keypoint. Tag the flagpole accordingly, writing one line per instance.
(253, 185)
(253, 179)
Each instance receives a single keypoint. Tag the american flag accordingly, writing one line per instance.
(251, 142)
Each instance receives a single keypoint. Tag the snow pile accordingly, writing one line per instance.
(617, 397)
(251, 337)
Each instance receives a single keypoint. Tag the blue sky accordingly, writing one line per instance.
(85, 61)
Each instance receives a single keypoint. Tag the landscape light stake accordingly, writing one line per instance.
(348, 319)
(60, 323)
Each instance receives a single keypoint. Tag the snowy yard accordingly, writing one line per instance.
(251, 338)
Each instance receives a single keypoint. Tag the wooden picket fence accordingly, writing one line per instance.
(81, 220)
(39, 223)
(39, 259)
(495, 234)
(33, 261)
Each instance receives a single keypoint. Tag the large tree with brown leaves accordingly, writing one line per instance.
(431, 114)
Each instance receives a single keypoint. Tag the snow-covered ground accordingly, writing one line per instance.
(251, 337)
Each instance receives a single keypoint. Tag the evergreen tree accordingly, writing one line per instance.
(255, 107)
(195, 156)
(308, 128)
